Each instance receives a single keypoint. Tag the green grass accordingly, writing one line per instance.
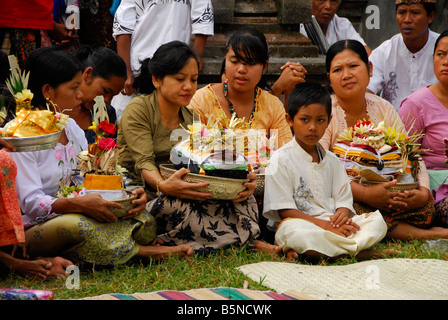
(215, 270)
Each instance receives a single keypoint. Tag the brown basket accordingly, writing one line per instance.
(220, 188)
(127, 205)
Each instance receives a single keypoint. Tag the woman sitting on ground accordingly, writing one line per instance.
(82, 228)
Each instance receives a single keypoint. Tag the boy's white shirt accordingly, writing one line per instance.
(294, 181)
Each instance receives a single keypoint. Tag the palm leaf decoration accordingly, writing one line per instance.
(18, 80)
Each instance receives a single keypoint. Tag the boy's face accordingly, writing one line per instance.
(309, 125)
(413, 20)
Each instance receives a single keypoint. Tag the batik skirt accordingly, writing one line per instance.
(205, 225)
(82, 239)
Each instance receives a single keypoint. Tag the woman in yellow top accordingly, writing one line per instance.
(408, 214)
(246, 61)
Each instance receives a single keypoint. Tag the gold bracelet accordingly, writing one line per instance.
(158, 190)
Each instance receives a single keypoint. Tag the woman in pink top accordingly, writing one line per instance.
(426, 111)
(409, 215)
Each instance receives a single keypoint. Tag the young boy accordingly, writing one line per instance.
(308, 189)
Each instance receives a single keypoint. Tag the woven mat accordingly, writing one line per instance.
(205, 294)
(388, 279)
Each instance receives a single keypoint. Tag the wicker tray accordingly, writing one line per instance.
(36, 143)
(220, 188)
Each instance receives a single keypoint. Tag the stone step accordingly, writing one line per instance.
(264, 24)
(280, 45)
(255, 8)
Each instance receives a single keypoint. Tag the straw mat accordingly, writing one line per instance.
(220, 293)
(388, 279)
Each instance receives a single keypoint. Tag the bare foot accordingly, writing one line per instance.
(377, 254)
(58, 266)
(160, 252)
(271, 249)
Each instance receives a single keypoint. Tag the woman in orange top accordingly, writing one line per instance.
(242, 94)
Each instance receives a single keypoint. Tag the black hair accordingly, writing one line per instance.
(341, 45)
(168, 59)
(429, 8)
(4, 67)
(441, 36)
(307, 93)
(49, 65)
(104, 62)
(251, 47)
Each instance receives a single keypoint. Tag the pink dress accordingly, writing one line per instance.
(422, 112)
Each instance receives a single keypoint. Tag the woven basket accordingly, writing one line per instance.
(127, 205)
(220, 188)
(399, 187)
(259, 190)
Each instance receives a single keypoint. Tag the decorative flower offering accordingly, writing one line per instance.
(378, 148)
(30, 121)
(99, 164)
(223, 148)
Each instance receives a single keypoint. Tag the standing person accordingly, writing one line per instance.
(309, 191)
(426, 111)
(333, 27)
(184, 215)
(404, 64)
(104, 74)
(24, 21)
(242, 94)
(140, 27)
(81, 228)
(409, 215)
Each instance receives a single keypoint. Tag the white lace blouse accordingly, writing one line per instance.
(40, 173)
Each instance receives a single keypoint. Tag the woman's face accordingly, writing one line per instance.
(92, 87)
(67, 95)
(441, 61)
(177, 89)
(242, 76)
(349, 75)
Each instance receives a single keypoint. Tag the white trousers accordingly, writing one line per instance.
(301, 236)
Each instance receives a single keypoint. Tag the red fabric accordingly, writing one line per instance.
(11, 225)
(26, 14)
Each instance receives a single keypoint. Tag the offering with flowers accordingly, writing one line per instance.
(99, 164)
(378, 151)
(222, 147)
(30, 121)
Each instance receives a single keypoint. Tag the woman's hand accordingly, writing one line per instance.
(292, 73)
(415, 198)
(251, 185)
(175, 186)
(140, 203)
(379, 196)
(94, 206)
